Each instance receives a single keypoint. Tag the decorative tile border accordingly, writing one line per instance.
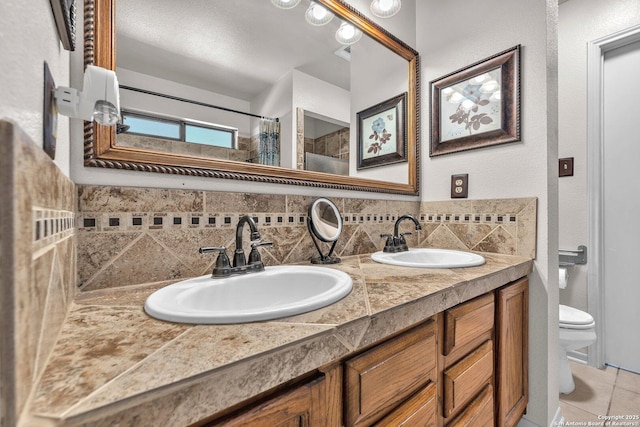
(51, 226)
(123, 231)
(145, 221)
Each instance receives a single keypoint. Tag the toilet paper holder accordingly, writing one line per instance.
(570, 257)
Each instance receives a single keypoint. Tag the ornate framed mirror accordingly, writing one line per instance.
(104, 148)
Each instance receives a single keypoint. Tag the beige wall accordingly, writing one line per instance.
(450, 36)
(580, 21)
(28, 37)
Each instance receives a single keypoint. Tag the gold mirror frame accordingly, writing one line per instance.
(100, 149)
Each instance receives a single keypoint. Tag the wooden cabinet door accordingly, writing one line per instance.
(417, 411)
(380, 379)
(479, 413)
(462, 381)
(512, 326)
(466, 323)
(316, 403)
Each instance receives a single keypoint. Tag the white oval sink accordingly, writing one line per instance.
(279, 291)
(430, 258)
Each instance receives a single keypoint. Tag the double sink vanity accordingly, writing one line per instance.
(387, 345)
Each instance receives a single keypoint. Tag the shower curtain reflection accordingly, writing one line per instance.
(269, 145)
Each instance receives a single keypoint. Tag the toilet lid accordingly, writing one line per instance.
(573, 318)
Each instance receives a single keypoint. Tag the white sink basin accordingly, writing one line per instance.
(278, 291)
(430, 258)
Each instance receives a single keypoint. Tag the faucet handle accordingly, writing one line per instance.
(209, 249)
(223, 266)
(254, 255)
(259, 243)
(388, 245)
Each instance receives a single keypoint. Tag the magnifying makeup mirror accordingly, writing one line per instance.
(324, 223)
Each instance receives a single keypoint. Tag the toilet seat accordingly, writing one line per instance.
(572, 318)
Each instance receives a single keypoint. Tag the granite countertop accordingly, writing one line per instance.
(114, 365)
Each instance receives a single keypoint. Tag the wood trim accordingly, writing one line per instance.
(100, 149)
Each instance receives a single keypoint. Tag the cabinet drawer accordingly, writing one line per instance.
(466, 378)
(384, 376)
(418, 411)
(467, 321)
(478, 413)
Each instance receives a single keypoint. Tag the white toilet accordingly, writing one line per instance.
(577, 330)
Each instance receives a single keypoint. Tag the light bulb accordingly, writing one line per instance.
(318, 15)
(348, 33)
(285, 4)
(385, 8)
(105, 113)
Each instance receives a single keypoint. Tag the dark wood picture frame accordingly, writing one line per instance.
(64, 12)
(467, 114)
(379, 125)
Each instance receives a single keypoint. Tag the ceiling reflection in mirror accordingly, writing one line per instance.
(201, 81)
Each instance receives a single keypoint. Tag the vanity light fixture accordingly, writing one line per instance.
(99, 99)
(385, 8)
(318, 15)
(285, 4)
(348, 34)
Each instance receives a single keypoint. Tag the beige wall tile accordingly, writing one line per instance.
(38, 270)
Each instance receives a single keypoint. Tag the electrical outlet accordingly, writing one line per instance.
(459, 186)
(565, 166)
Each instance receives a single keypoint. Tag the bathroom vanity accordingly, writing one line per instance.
(466, 366)
(442, 347)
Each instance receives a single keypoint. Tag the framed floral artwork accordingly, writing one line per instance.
(477, 106)
(381, 133)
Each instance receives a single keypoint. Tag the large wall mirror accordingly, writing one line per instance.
(246, 90)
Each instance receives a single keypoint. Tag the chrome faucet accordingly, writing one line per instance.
(397, 242)
(223, 268)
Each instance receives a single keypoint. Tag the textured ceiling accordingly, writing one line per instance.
(236, 48)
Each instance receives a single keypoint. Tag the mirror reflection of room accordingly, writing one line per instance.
(183, 94)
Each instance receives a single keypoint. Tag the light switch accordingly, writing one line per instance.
(565, 167)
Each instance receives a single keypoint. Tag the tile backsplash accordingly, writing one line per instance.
(129, 236)
(37, 262)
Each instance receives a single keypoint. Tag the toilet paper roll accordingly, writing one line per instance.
(563, 277)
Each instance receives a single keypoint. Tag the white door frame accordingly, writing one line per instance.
(595, 179)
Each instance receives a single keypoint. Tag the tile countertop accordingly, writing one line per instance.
(115, 365)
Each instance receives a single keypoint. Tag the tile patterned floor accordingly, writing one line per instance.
(600, 392)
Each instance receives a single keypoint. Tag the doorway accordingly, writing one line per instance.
(614, 190)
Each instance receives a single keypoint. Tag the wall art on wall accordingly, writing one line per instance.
(64, 12)
(477, 106)
(381, 133)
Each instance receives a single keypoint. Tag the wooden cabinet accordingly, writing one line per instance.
(417, 411)
(378, 380)
(483, 366)
(466, 360)
(479, 413)
(315, 402)
(463, 380)
(512, 366)
(465, 367)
